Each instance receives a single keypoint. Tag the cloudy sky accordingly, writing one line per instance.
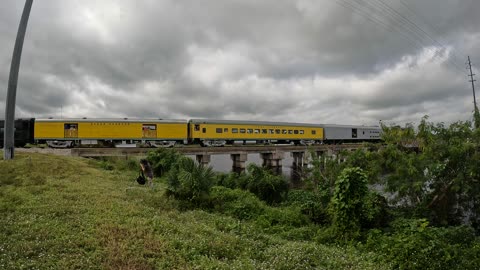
(319, 61)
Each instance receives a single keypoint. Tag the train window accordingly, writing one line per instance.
(295, 131)
(225, 130)
(256, 131)
(249, 130)
(354, 133)
(234, 130)
(149, 131)
(314, 132)
(290, 131)
(301, 131)
(219, 130)
(277, 131)
(284, 131)
(264, 131)
(197, 127)
(271, 131)
(242, 130)
(204, 130)
(71, 130)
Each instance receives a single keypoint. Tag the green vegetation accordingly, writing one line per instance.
(73, 213)
(65, 213)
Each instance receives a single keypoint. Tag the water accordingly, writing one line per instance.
(223, 163)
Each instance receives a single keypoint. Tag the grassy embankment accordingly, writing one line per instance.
(64, 213)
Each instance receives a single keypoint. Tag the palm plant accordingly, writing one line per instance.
(189, 180)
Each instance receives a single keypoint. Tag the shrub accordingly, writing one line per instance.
(106, 165)
(188, 180)
(244, 205)
(265, 185)
(415, 245)
(309, 204)
(282, 217)
(163, 160)
(232, 180)
(375, 211)
(237, 203)
(347, 201)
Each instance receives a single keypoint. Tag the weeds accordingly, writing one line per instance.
(68, 213)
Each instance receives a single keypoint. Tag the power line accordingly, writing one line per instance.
(378, 21)
(412, 11)
(379, 12)
(410, 27)
(417, 27)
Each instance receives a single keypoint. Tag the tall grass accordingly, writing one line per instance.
(71, 213)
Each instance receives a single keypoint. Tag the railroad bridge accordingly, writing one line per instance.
(272, 155)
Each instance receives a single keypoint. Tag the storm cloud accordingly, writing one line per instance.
(319, 61)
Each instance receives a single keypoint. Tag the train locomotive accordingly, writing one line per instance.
(125, 132)
(23, 131)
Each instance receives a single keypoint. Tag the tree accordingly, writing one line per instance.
(440, 178)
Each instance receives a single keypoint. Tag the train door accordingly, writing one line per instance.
(70, 130)
(149, 131)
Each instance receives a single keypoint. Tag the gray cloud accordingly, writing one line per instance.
(303, 60)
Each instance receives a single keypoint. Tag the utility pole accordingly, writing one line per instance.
(473, 82)
(9, 140)
(476, 113)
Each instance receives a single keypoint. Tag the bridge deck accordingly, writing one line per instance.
(103, 152)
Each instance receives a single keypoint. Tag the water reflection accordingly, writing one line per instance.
(223, 163)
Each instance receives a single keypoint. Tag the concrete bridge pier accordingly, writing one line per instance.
(239, 162)
(203, 159)
(273, 160)
(297, 169)
(298, 159)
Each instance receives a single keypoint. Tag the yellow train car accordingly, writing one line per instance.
(127, 132)
(221, 132)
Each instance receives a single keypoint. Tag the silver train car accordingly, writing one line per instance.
(334, 134)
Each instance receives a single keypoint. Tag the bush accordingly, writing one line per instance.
(163, 160)
(244, 205)
(415, 245)
(190, 181)
(375, 211)
(347, 201)
(289, 217)
(232, 180)
(265, 185)
(236, 203)
(309, 204)
(259, 181)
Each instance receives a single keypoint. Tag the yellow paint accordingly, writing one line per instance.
(48, 130)
(257, 132)
(110, 130)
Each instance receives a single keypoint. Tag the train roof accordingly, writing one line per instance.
(242, 122)
(113, 120)
(350, 126)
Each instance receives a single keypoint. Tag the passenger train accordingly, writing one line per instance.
(62, 133)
